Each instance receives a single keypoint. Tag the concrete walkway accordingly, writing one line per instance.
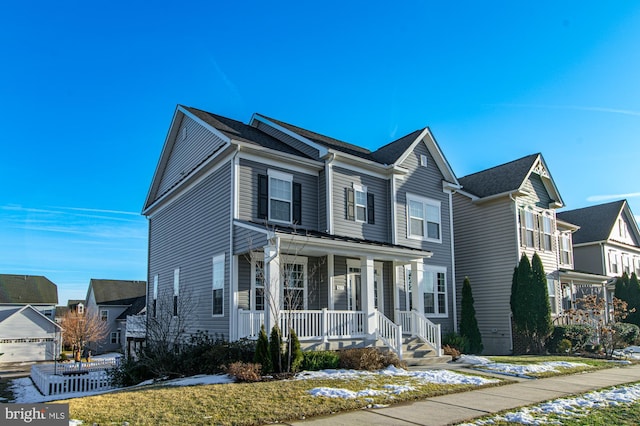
(460, 407)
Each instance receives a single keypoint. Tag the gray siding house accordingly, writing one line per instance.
(112, 301)
(269, 223)
(500, 214)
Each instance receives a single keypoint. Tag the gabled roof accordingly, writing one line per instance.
(27, 289)
(391, 152)
(117, 292)
(509, 177)
(6, 314)
(138, 304)
(597, 222)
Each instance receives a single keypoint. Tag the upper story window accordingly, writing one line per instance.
(613, 262)
(176, 290)
(626, 266)
(104, 315)
(155, 296)
(565, 248)
(530, 230)
(279, 198)
(423, 219)
(622, 228)
(547, 231)
(80, 308)
(360, 204)
(423, 160)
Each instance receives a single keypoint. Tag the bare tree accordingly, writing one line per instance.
(80, 329)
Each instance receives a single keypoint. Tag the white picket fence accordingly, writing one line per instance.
(63, 378)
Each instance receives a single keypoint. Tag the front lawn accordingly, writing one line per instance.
(591, 364)
(249, 403)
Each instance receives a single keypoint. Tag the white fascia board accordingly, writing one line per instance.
(631, 218)
(37, 312)
(436, 153)
(623, 246)
(591, 243)
(349, 248)
(357, 166)
(515, 193)
(164, 155)
(584, 276)
(194, 178)
(255, 228)
(322, 151)
(274, 158)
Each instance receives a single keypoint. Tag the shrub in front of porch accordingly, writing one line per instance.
(320, 360)
(370, 359)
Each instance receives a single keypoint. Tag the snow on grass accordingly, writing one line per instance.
(553, 412)
(519, 370)
(428, 376)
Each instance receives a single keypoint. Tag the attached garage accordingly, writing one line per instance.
(27, 335)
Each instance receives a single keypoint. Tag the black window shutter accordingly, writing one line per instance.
(370, 212)
(263, 196)
(297, 203)
(351, 204)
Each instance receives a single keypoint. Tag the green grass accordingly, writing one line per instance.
(242, 403)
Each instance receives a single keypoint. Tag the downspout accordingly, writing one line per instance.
(453, 264)
(515, 210)
(233, 270)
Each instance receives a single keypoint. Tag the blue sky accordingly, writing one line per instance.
(88, 90)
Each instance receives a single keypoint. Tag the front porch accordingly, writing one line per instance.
(333, 328)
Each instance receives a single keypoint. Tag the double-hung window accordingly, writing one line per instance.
(361, 202)
(613, 262)
(435, 291)
(530, 231)
(565, 248)
(294, 280)
(155, 296)
(551, 288)
(176, 290)
(547, 231)
(424, 220)
(104, 315)
(218, 285)
(280, 196)
(258, 285)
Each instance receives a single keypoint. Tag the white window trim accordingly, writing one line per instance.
(532, 229)
(565, 246)
(408, 292)
(424, 201)
(430, 269)
(424, 160)
(360, 188)
(294, 260)
(276, 174)
(553, 299)
(547, 219)
(254, 270)
(613, 260)
(107, 316)
(154, 306)
(176, 291)
(217, 260)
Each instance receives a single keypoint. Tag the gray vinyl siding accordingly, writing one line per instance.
(105, 345)
(539, 195)
(380, 230)
(426, 182)
(486, 252)
(248, 193)
(187, 154)
(388, 287)
(245, 240)
(187, 234)
(322, 202)
(291, 141)
(340, 283)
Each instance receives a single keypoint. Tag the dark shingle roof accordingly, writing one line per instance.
(499, 179)
(240, 131)
(136, 306)
(27, 289)
(117, 292)
(596, 222)
(392, 151)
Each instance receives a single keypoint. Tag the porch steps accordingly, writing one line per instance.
(415, 352)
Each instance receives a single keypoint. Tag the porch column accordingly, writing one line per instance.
(417, 284)
(368, 299)
(271, 286)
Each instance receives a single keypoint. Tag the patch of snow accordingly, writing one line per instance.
(473, 360)
(522, 370)
(202, 379)
(565, 408)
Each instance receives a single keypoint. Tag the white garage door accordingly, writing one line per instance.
(19, 350)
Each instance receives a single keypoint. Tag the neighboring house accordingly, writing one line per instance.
(27, 335)
(27, 310)
(73, 305)
(608, 241)
(109, 300)
(34, 290)
(499, 214)
(252, 221)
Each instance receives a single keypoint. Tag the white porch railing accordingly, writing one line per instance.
(390, 333)
(72, 377)
(249, 323)
(418, 325)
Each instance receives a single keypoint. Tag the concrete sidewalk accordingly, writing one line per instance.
(459, 407)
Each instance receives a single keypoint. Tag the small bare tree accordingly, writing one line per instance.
(168, 321)
(80, 329)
